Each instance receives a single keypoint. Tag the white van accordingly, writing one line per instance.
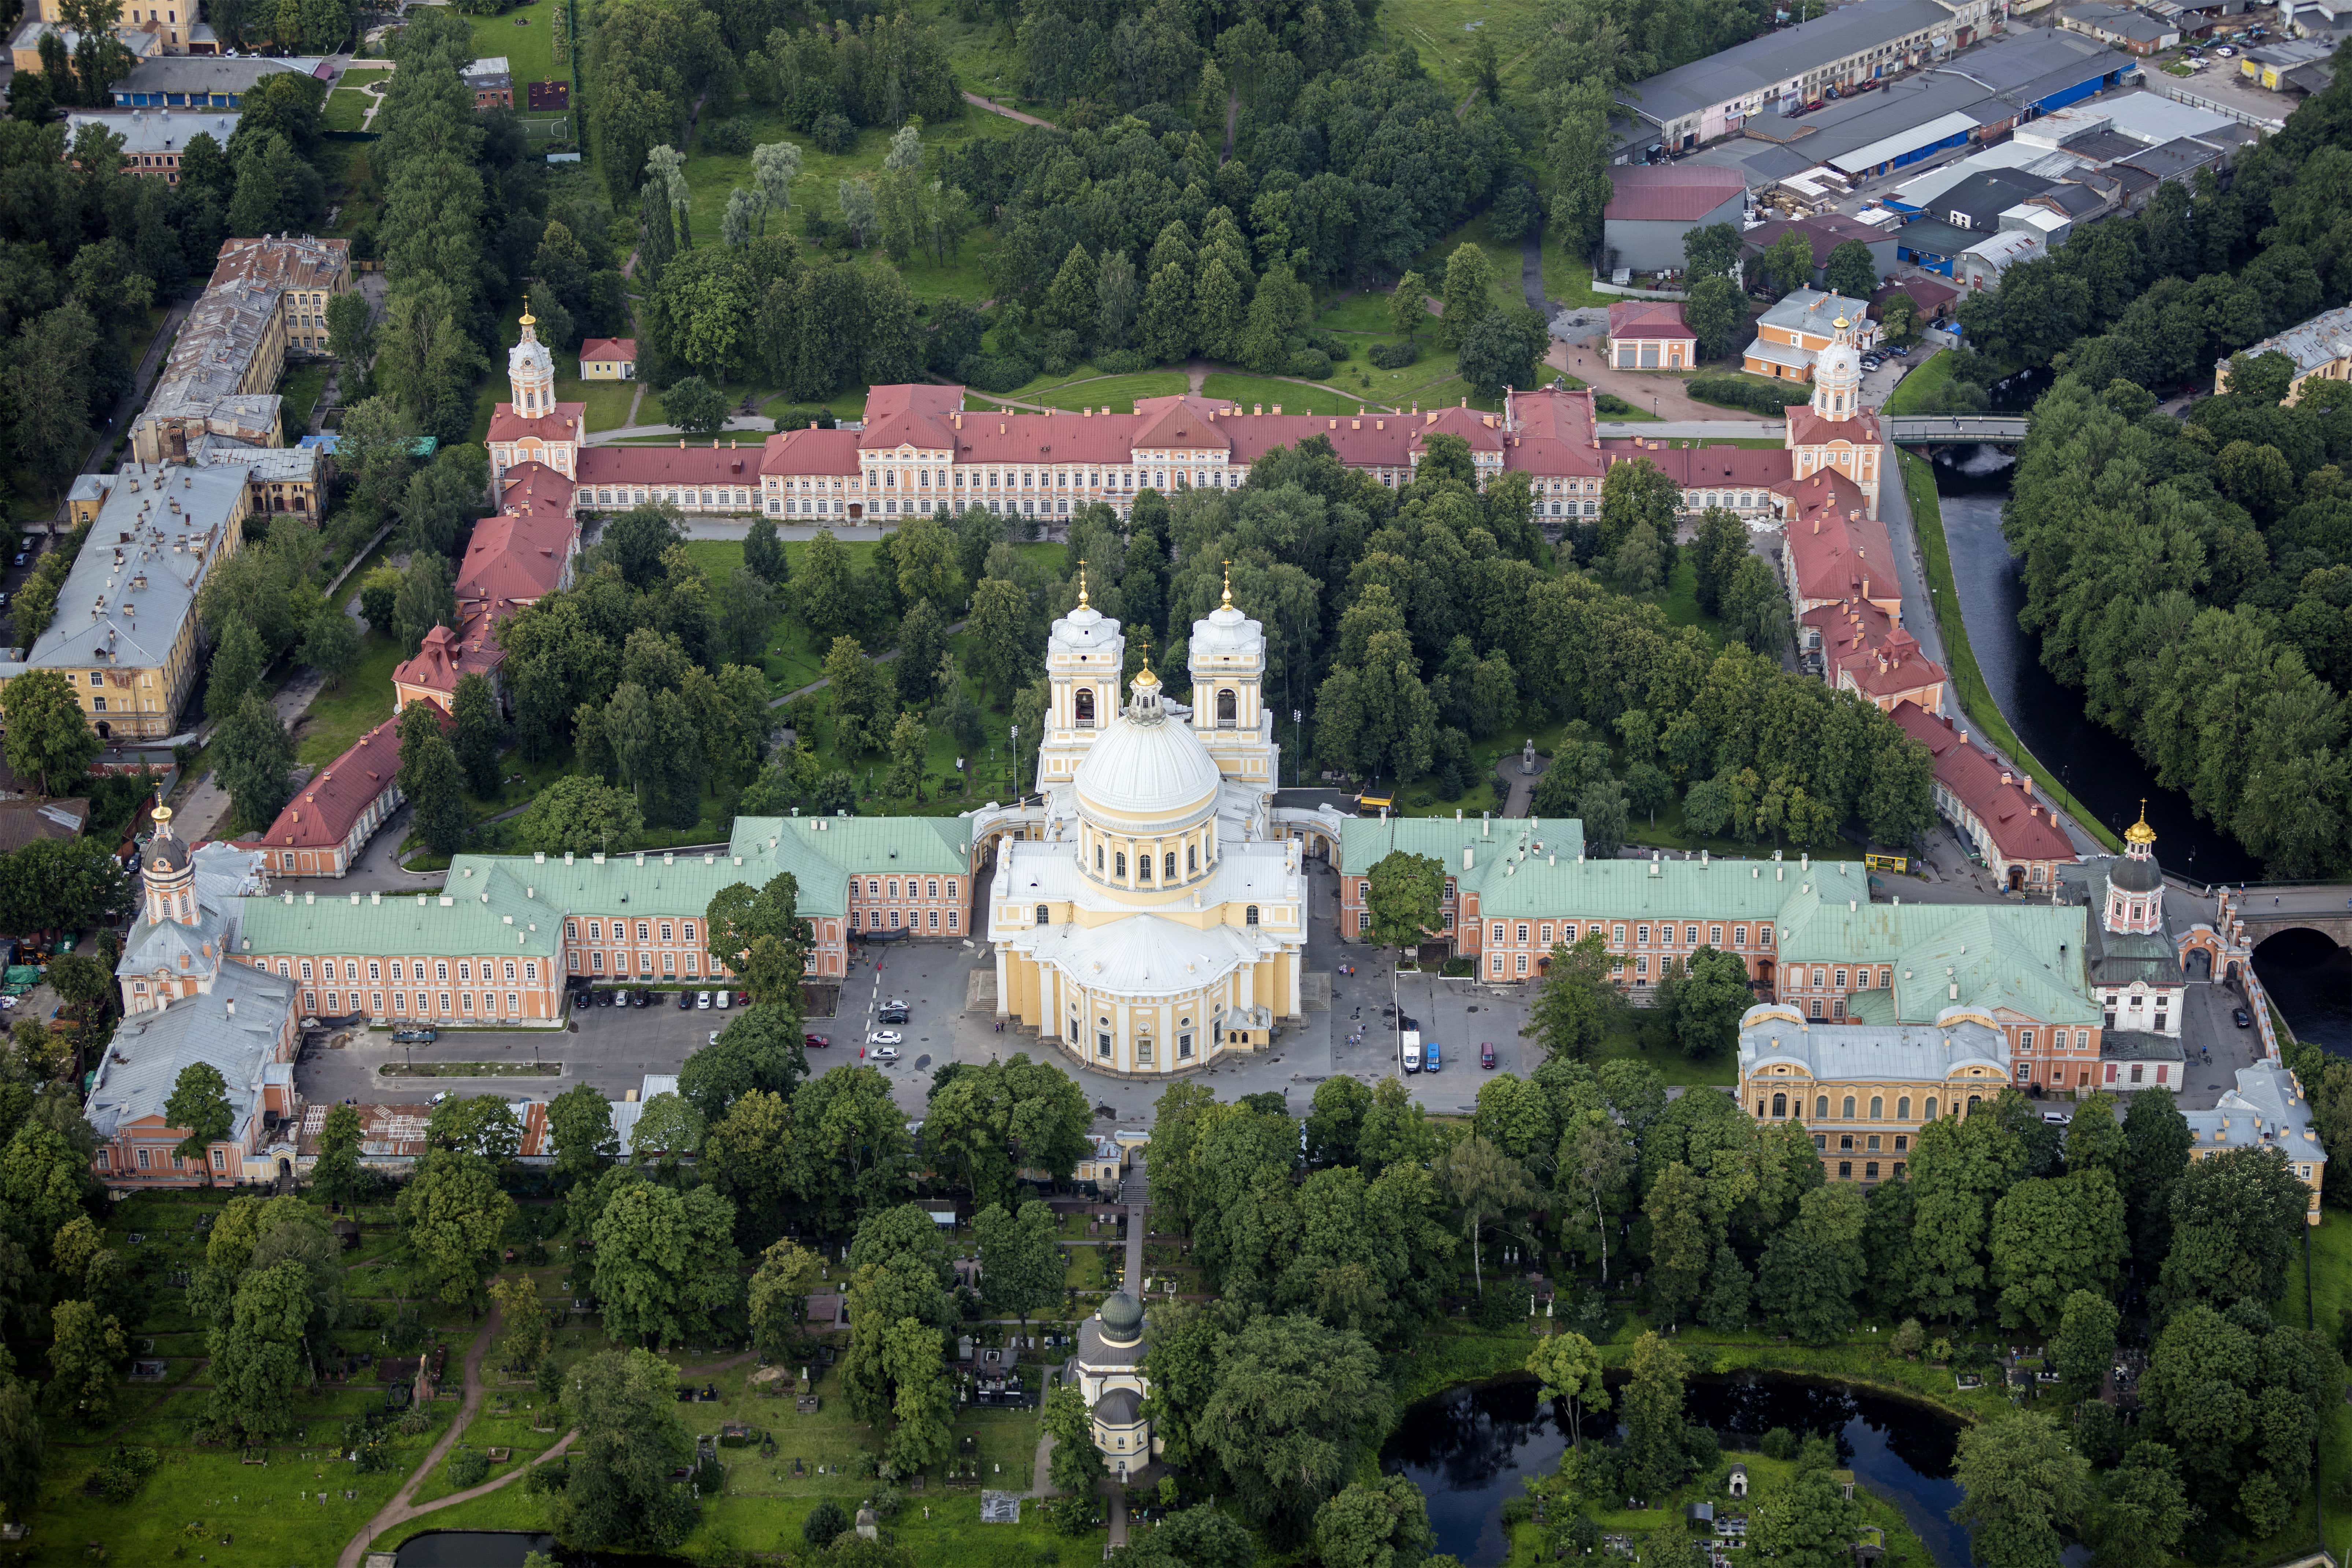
(1412, 1051)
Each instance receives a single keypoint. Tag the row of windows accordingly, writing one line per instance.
(875, 889)
(644, 963)
(1821, 1107)
(1568, 933)
(621, 931)
(915, 920)
(1143, 1047)
(1143, 864)
(464, 1003)
(1870, 1142)
(326, 969)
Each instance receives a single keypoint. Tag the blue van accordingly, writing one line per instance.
(1434, 1059)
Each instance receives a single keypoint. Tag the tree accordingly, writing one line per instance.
(1681, 1242)
(1484, 1182)
(330, 646)
(1596, 1159)
(987, 1121)
(618, 1496)
(1374, 1524)
(1789, 263)
(667, 1129)
(424, 600)
(237, 663)
(1576, 1005)
(581, 1121)
(2053, 1239)
(2143, 1511)
(1295, 1406)
(455, 1215)
(764, 554)
(1654, 1415)
(2021, 1483)
(1808, 1524)
(1566, 1366)
(666, 1262)
(258, 1362)
(1504, 349)
(1469, 294)
(696, 407)
(1201, 1536)
(2237, 1224)
(1812, 1269)
(2084, 1347)
(85, 1349)
(1716, 315)
(758, 935)
(999, 630)
(1755, 610)
(1407, 894)
(523, 1315)
(433, 784)
(2095, 1138)
(761, 1049)
(1851, 271)
(336, 1175)
(1020, 1260)
(579, 814)
(49, 740)
(787, 1277)
(2156, 1141)
(1076, 1467)
(199, 1108)
(253, 757)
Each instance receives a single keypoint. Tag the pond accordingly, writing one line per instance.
(1469, 1447)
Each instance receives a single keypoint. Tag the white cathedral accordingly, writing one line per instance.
(1151, 915)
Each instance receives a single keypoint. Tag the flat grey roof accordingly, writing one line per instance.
(207, 73)
(2174, 158)
(1935, 237)
(133, 606)
(2015, 63)
(1779, 56)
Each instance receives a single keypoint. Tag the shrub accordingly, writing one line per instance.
(1061, 351)
(1908, 1337)
(833, 134)
(539, 1480)
(1393, 356)
(1500, 1308)
(824, 1522)
(1331, 343)
(1120, 362)
(1779, 1443)
(1609, 403)
(1770, 397)
(1312, 364)
(730, 136)
(467, 1466)
(995, 372)
(125, 1471)
(1940, 1352)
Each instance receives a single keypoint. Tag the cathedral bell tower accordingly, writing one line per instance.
(1084, 660)
(168, 875)
(2134, 904)
(530, 373)
(1837, 375)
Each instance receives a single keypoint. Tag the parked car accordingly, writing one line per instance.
(886, 1037)
(885, 1053)
(742, 998)
(702, 1000)
(684, 1000)
(1434, 1057)
(2239, 1017)
(1487, 1055)
(611, 998)
(20, 560)
(2056, 1118)
(713, 1039)
(896, 1005)
(816, 1042)
(414, 1037)
(722, 1000)
(641, 999)
(892, 1015)
(2226, 52)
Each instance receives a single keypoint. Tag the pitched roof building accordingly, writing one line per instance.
(2012, 831)
(330, 818)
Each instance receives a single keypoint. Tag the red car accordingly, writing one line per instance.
(1487, 1055)
(816, 1042)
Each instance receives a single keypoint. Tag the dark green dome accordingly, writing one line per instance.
(1122, 1319)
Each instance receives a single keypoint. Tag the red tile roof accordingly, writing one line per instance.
(1926, 292)
(1669, 191)
(1648, 318)
(568, 422)
(2021, 826)
(1807, 428)
(595, 351)
(811, 452)
(1894, 667)
(447, 656)
(534, 489)
(1556, 433)
(1824, 234)
(679, 464)
(1697, 468)
(1837, 550)
(515, 558)
(322, 815)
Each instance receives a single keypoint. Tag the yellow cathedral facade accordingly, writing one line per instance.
(1151, 917)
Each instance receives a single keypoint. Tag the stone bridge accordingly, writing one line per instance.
(2322, 907)
(1951, 429)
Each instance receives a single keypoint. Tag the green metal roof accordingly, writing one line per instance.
(1514, 878)
(2028, 959)
(822, 854)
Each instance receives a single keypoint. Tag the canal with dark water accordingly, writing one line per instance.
(2309, 976)
(1469, 1449)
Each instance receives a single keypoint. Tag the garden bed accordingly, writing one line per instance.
(470, 1069)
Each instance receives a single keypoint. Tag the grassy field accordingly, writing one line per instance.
(712, 176)
(1088, 389)
(337, 718)
(2321, 1297)
(1976, 698)
(526, 36)
(608, 401)
(1911, 393)
(303, 386)
(1443, 32)
(1265, 391)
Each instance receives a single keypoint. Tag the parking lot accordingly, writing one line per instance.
(613, 1049)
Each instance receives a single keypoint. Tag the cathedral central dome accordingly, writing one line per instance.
(1146, 767)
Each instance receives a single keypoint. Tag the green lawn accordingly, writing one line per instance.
(301, 389)
(1968, 681)
(712, 176)
(1911, 393)
(608, 401)
(347, 110)
(1568, 277)
(1504, 256)
(2327, 1297)
(526, 36)
(337, 718)
(1294, 397)
(1087, 389)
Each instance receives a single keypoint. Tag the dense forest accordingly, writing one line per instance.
(2192, 575)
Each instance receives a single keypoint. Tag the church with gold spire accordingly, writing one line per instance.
(1147, 914)
(2134, 960)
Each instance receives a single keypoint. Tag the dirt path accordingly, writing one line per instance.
(884, 656)
(995, 108)
(400, 1508)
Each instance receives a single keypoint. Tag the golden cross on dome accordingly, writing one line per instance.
(1228, 601)
(1082, 584)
